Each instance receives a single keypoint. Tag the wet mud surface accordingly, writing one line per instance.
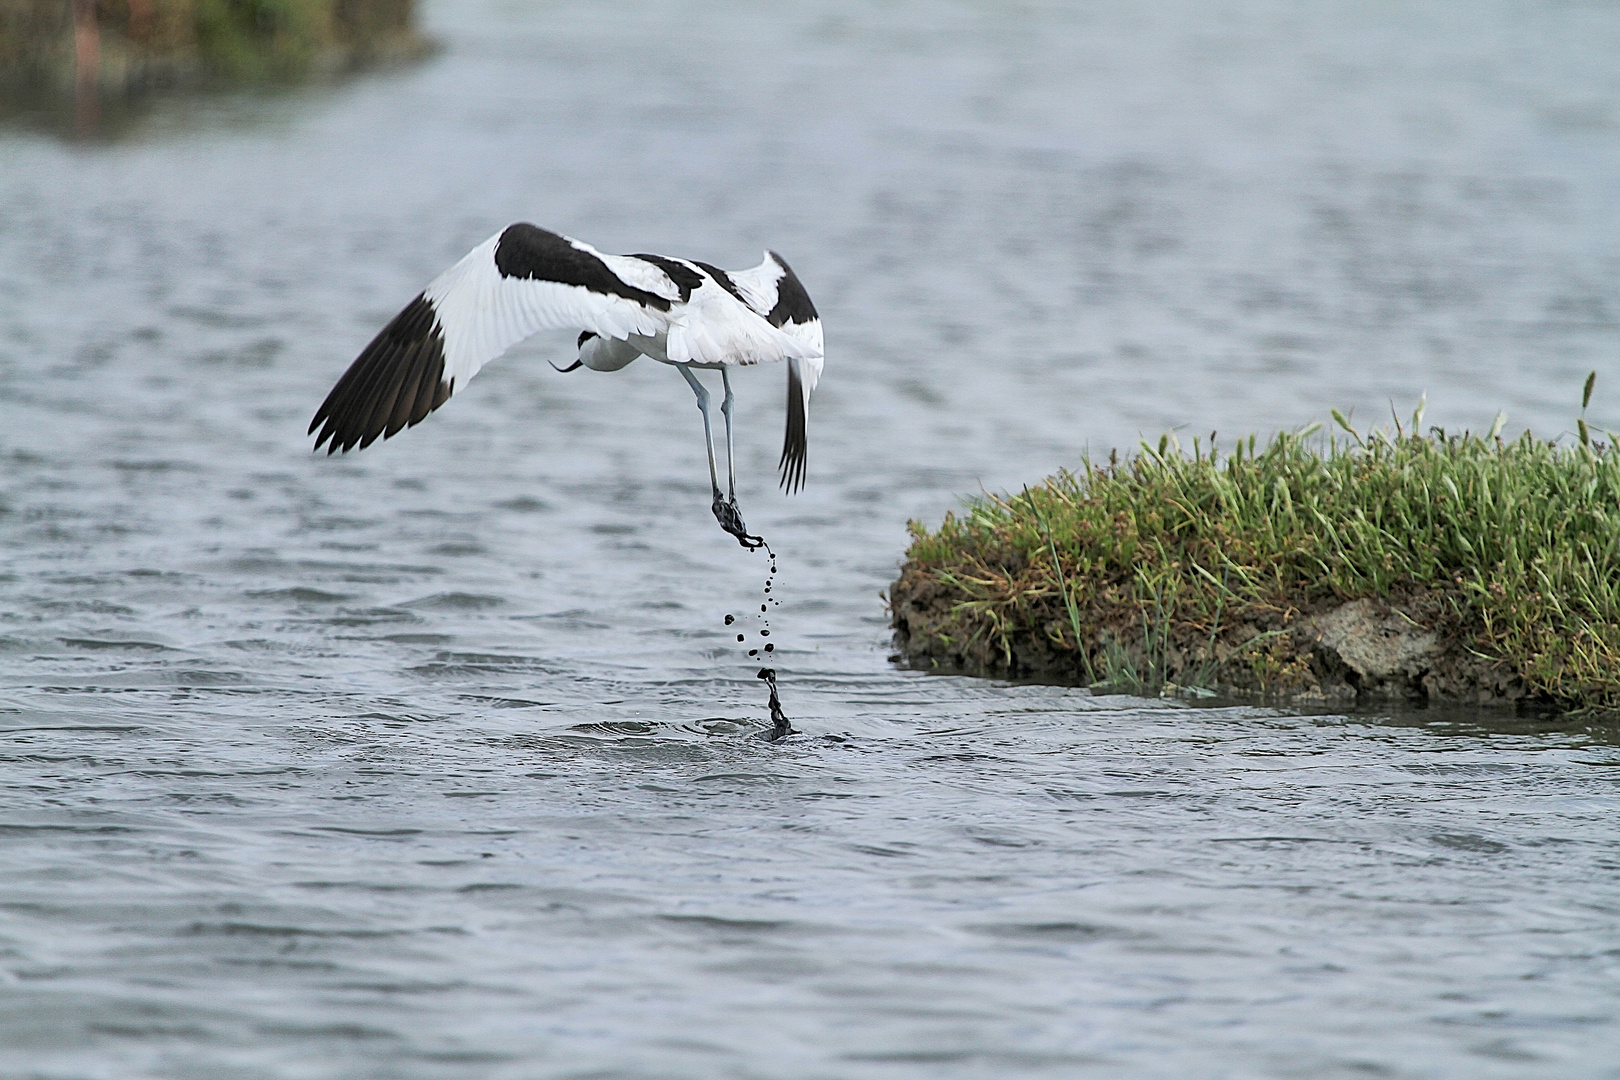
(1407, 649)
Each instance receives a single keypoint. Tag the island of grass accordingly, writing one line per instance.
(1394, 565)
(121, 47)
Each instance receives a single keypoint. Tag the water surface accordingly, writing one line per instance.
(439, 760)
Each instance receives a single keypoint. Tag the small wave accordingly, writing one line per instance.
(105, 643)
(301, 594)
(455, 601)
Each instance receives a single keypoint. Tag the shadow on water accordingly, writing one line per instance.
(42, 111)
(1445, 719)
(108, 118)
(1482, 722)
(1454, 721)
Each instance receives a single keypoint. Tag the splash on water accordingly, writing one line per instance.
(779, 722)
(780, 728)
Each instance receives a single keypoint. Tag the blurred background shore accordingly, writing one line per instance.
(80, 52)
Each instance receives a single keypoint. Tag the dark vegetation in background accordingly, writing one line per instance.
(119, 47)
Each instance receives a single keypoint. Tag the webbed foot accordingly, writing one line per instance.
(730, 519)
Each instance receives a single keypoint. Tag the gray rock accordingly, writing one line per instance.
(1382, 646)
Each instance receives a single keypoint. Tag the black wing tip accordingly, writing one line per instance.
(395, 381)
(793, 304)
(792, 476)
(792, 465)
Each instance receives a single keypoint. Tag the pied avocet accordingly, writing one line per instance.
(524, 279)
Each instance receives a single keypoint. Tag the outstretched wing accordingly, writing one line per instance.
(518, 282)
(774, 291)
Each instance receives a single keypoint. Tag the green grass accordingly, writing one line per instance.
(261, 39)
(1175, 565)
(203, 42)
(264, 40)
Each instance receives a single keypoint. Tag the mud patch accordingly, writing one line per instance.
(1368, 650)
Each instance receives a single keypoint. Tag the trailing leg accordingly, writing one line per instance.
(731, 447)
(725, 511)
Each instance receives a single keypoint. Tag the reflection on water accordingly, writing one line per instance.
(440, 760)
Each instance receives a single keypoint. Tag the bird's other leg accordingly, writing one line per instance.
(731, 511)
(731, 446)
(724, 512)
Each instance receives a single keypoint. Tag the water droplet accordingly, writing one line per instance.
(739, 637)
(770, 648)
(753, 652)
(764, 633)
(762, 607)
(730, 619)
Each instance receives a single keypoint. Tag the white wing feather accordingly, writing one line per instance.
(714, 327)
(758, 285)
(483, 314)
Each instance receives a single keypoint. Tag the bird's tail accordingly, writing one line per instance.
(794, 444)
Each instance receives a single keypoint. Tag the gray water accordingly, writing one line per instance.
(437, 760)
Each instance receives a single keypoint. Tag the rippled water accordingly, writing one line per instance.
(439, 761)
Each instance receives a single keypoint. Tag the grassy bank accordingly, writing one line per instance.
(122, 46)
(1455, 567)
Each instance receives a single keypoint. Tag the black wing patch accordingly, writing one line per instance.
(531, 253)
(793, 443)
(684, 277)
(395, 382)
(792, 302)
(723, 279)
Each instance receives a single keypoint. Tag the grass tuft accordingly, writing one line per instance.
(1177, 566)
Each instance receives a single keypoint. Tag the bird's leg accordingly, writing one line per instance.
(708, 435)
(731, 511)
(724, 512)
(731, 447)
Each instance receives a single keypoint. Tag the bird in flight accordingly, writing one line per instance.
(524, 279)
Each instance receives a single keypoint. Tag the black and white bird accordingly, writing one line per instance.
(524, 279)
